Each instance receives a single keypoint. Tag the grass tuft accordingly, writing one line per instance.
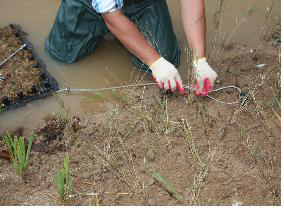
(63, 180)
(17, 150)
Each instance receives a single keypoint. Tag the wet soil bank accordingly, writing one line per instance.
(99, 70)
(212, 154)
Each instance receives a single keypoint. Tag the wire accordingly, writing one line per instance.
(227, 87)
(106, 88)
(3, 62)
(68, 89)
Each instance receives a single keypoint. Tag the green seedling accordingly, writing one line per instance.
(63, 180)
(17, 150)
(168, 186)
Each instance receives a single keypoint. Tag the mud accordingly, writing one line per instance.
(50, 136)
(212, 154)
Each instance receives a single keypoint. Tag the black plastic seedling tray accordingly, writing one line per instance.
(47, 85)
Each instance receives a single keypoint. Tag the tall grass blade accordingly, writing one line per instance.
(29, 149)
(67, 174)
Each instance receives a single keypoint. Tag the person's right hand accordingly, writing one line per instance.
(166, 75)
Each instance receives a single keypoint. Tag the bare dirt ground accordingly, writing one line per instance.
(212, 154)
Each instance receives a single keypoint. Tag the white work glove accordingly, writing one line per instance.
(166, 75)
(205, 77)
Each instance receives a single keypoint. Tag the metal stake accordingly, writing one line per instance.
(3, 62)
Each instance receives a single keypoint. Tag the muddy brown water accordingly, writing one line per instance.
(110, 65)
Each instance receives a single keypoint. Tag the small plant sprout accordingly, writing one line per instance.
(168, 186)
(63, 180)
(17, 150)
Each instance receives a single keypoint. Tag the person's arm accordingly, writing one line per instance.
(164, 73)
(194, 24)
(129, 35)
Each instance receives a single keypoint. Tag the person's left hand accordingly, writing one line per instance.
(205, 77)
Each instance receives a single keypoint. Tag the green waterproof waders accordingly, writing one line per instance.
(77, 29)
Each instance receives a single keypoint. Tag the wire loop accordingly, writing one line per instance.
(68, 89)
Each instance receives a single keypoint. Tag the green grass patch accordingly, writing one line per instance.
(19, 154)
(63, 180)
